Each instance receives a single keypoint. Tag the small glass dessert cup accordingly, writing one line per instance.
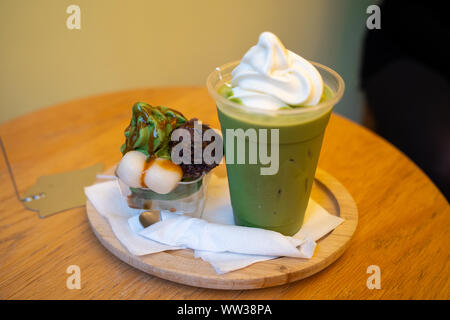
(187, 198)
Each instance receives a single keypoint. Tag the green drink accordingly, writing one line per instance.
(276, 202)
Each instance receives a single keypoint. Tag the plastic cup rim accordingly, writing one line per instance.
(295, 111)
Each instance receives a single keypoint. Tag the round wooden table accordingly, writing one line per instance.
(403, 228)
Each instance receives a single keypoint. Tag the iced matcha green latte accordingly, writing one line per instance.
(277, 201)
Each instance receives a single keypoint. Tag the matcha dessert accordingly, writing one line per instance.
(273, 88)
(146, 161)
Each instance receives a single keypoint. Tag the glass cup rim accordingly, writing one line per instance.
(180, 182)
(295, 111)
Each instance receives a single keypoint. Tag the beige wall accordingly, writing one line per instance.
(137, 43)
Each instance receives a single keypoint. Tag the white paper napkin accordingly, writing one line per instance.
(198, 234)
(214, 238)
(108, 201)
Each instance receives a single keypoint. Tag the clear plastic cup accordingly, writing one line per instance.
(276, 202)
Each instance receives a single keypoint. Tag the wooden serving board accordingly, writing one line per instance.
(181, 266)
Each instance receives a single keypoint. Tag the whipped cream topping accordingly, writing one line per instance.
(270, 76)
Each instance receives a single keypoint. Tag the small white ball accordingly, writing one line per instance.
(162, 176)
(131, 167)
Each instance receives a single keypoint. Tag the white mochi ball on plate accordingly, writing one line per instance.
(130, 168)
(162, 175)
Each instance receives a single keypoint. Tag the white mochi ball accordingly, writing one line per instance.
(162, 176)
(130, 168)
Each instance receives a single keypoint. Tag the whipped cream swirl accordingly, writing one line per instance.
(270, 77)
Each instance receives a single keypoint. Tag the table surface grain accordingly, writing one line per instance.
(404, 221)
